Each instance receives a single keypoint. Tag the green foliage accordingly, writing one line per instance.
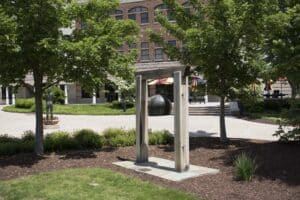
(58, 95)
(160, 137)
(290, 117)
(283, 44)
(118, 104)
(119, 137)
(11, 145)
(84, 139)
(276, 104)
(28, 136)
(24, 103)
(59, 141)
(222, 39)
(245, 167)
(88, 139)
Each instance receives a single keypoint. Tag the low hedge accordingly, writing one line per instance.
(25, 103)
(84, 139)
(119, 105)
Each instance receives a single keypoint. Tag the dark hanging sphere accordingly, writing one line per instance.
(159, 105)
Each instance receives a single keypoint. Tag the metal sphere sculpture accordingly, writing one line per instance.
(159, 105)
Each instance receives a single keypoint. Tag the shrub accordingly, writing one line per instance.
(7, 139)
(28, 136)
(59, 141)
(11, 148)
(25, 103)
(160, 137)
(88, 139)
(118, 105)
(119, 137)
(245, 167)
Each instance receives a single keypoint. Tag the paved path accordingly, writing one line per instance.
(15, 124)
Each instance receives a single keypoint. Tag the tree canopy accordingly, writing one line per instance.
(283, 43)
(221, 39)
(40, 48)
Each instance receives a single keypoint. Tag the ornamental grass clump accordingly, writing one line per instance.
(245, 167)
(59, 141)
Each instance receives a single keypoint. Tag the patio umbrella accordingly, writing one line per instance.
(162, 81)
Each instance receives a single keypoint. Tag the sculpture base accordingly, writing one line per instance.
(166, 169)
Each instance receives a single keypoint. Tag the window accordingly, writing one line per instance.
(140, 13)
(187, 6)
(145, 51)
(118, 14)
(172, 43)
(132, 46)
(163, 9)
(158, 52)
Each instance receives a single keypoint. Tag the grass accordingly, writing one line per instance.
(99, 109)
(85, 184)
(245, 167)
(271, 117)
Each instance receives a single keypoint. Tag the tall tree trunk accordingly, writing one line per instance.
(39, 132)
(223, 135)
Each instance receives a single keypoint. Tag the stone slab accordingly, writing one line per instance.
(166, 169)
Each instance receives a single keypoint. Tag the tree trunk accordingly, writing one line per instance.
(39, 132)
(223, 135)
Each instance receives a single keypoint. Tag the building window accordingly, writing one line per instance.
(172, 43)
(158, 52)
(187, 6)
(145, 56)
(132, 46)
(140, 13)
(118, 14)
(163, 9)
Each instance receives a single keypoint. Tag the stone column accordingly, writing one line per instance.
(142, 147)
(119, 94)
(13, 98)
(180, 124)
(6, 96)
(94, 96)
(66, 94)
(185, 121)
(0, 94)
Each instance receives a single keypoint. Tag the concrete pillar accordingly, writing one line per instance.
(94, 96)
(13, 98)
(142, 147)
(0, 94)
(119, 94)
(66, 94)
(180, 124)
(206, 96)
(6, 96)
(185, 122)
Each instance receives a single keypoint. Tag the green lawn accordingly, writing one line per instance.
(99, 109)
(85, 184)
(272, 117)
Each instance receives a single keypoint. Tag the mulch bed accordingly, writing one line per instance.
(278, 175)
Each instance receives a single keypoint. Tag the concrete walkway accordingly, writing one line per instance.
(15, 124)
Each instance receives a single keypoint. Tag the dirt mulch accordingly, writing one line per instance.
(278, 175)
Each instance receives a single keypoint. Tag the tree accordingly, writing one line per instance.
(283, 43)
(44, 52)
(221, 39)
